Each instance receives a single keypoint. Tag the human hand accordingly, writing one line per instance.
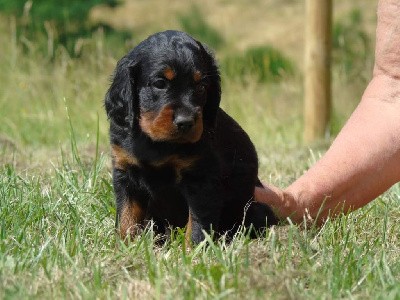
(283, 203)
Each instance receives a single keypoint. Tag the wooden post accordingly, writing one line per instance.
(317, 85)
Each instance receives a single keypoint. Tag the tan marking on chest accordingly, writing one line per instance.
(122, 159)
(178, 163)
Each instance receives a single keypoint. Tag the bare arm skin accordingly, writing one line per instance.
(364, 160)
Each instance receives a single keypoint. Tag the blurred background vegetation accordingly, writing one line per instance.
(61, 54)
(64, 22)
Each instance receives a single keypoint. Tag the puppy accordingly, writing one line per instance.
(178, 158)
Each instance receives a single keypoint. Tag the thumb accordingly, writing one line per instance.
(283, 204)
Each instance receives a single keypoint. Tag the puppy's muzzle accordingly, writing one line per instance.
(185, 119)
(184, 123)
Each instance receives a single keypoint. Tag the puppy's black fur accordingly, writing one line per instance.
(178, 158)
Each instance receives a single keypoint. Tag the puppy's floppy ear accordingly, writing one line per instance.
(211, 107)
(120, 98)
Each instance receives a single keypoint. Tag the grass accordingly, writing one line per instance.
(57, 209)
(57, 241)
(261, 63)
(194, 24)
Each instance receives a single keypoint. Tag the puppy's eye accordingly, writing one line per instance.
(201, 88)
(160, 84)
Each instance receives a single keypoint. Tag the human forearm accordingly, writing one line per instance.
(363, 161)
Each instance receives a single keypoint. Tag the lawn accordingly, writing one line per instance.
(57, 237)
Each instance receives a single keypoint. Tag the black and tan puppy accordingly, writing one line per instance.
(178, 158)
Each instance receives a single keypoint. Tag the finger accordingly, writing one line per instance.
(271, 196)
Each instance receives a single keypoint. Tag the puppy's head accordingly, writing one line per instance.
(168, 87)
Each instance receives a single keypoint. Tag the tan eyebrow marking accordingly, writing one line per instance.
(197, 76)
(169, 73)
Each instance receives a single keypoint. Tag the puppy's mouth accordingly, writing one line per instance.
(169, 126)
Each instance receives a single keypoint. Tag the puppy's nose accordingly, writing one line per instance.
(184, 122)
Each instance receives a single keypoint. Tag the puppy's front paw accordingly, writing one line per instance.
(197, 236)
(130, 232)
